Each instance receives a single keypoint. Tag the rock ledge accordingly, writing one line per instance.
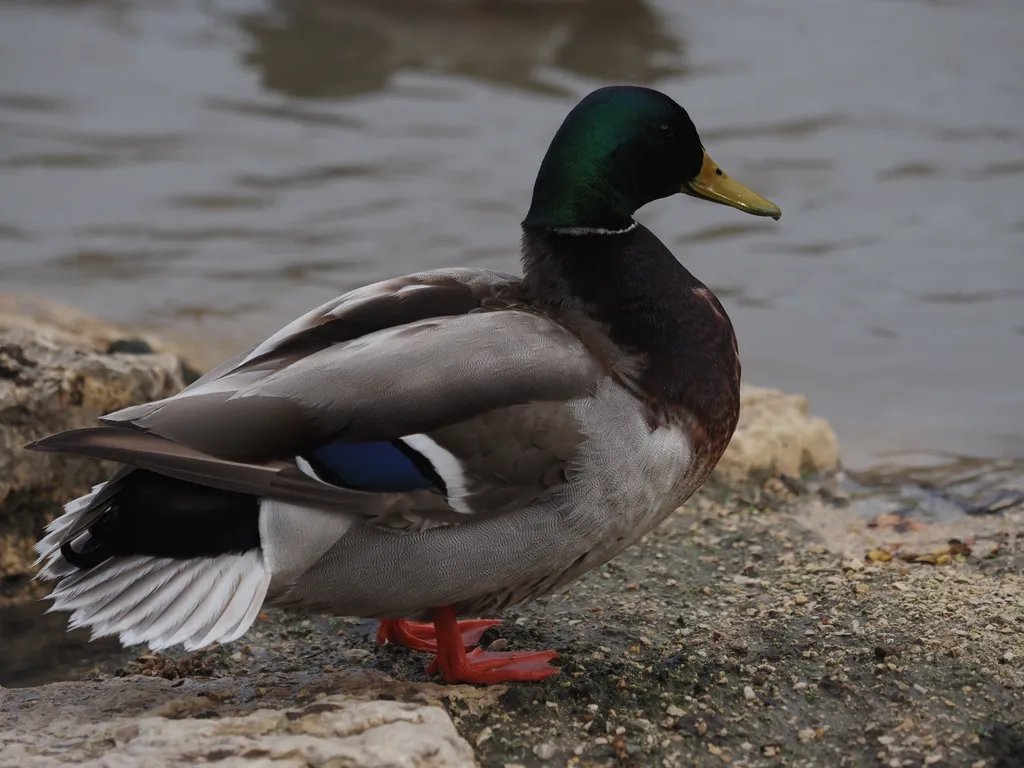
(776, 435)
(146, 721)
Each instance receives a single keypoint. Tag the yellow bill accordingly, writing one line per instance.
(713, 184)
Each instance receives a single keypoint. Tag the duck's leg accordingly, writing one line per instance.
(420, 636)
(480, 666)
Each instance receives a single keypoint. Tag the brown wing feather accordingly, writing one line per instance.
(407, 380)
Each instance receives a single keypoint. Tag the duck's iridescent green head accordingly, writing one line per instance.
(620, 148)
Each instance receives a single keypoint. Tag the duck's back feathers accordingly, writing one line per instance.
(384, 304)
(392, 382)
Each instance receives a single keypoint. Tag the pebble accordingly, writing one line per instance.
(806, 734)
(483, 736)
(544, 751)
(748, 693)
(354, 655)
(1008, 657)
(801, 599)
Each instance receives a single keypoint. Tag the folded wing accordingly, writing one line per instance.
(410, 400)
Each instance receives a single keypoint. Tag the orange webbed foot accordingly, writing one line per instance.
(480, 666)
(421, 636)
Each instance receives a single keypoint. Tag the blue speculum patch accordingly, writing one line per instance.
(381, 466)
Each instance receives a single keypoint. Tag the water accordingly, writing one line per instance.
(212, 169)
(209, 170)
(36, 648)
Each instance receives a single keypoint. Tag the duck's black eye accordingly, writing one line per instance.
(666, 130)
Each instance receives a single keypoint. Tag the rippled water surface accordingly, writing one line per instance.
(212, 169)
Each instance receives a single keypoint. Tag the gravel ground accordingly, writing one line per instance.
(771, 626)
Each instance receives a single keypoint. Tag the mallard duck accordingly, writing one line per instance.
(444, 444)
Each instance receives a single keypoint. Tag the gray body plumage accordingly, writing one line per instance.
(552, 464)
(623, 481)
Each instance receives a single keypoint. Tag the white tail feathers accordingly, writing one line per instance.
(154, 600)
(164, 602)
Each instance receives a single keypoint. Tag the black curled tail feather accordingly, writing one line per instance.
(146, 513)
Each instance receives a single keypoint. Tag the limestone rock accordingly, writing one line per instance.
(55, 374)
(776, 435)
(147, 721)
